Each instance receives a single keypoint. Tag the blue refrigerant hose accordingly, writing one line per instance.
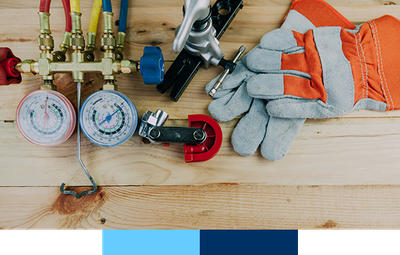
(123, 15)
(107, 7)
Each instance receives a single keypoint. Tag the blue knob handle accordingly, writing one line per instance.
(152, 65)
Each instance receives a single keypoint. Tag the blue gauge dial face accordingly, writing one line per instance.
(108, 118)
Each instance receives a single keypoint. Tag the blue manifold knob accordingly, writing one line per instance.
(152, 65)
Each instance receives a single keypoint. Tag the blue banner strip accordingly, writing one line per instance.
(151, 242)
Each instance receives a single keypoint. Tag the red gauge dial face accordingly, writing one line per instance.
(46, 118)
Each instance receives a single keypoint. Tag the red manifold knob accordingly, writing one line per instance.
(8, 74)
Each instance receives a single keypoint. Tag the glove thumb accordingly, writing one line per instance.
(279, 137)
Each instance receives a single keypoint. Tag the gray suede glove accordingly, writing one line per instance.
(256, 127)
(336, 72)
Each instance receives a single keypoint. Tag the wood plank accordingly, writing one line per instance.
(204, 207)
(328, 152)
(229, 191)
(21, 4)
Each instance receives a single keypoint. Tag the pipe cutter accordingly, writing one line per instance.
(202, 139)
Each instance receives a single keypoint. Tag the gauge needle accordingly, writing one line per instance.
(108, 118)
(46, 116)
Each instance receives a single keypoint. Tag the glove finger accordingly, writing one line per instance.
(261, 60)
(232, 81)
(281, 40)
(297, 22)
(302, 108)
(279, 86)
(231, 105)
(267, 61)
(279, 137)
(250, 130)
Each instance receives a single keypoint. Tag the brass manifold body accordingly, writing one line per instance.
(82, 61)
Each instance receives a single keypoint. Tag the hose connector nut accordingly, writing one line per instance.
(45, 42)
(77, 42)
(108, 42)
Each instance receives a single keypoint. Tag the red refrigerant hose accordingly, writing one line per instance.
(44, 6)
(67, 10)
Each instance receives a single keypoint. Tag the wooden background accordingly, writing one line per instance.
(340, 173)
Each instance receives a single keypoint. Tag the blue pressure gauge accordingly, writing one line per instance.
(108, 118)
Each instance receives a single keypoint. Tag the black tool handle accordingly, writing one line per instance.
(177, 135)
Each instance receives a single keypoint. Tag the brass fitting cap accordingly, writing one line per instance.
(64, 46)
(27, 67)
(110, 85)
(120, 41)
(91, 41)
(48, 86)
(128, 66)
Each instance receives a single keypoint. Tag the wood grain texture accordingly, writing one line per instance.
(204, 207)
(340, 173)
(331, 152)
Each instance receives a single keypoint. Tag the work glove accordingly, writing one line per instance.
(256, 127)
(338, 71)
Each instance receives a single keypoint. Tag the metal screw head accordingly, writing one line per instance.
(154, 133)
(199, 135)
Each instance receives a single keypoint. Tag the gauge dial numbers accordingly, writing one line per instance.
(108, 118)
(46, 118)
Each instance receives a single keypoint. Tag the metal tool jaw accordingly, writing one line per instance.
(197, 41)
(150, 120)
(202, 139)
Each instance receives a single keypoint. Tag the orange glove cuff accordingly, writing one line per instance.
(320, 13)
(374, 54)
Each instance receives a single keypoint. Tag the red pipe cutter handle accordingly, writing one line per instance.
(210, 147)
(8, 75)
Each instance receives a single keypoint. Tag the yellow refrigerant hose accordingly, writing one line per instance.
(94, 16)
(75, 6)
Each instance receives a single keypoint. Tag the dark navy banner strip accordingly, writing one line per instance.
(235, 242)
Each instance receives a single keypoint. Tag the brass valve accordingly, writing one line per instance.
(48, 85)
(82, 61)
(45, 40)
(108, 42)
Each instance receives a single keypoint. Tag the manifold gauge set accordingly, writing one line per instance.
(109, 118)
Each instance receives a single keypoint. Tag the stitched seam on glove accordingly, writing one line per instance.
(363, 64)
(382, 77)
